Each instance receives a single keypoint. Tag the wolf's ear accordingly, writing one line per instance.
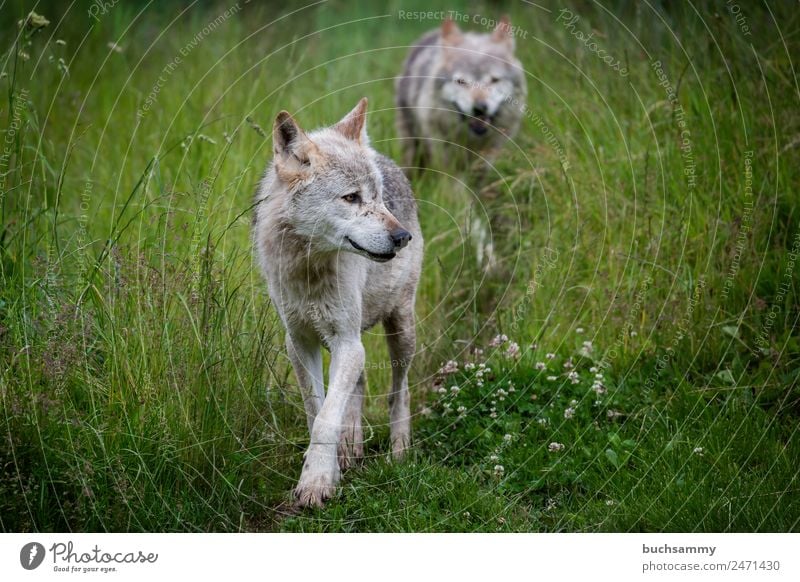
(354, 124)
(292, 148)
(503, 33)
(451, 34)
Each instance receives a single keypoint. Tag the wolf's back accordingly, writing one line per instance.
(417, 69)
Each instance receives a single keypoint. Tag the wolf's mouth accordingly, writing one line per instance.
(381, 258)
(478, 124)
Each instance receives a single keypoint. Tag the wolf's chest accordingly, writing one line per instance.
(322, 309)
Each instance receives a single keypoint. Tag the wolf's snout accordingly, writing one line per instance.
(400, 238)
(480, 108)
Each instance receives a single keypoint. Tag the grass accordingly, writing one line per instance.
(143, 379)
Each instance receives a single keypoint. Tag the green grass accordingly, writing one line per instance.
(143, 379)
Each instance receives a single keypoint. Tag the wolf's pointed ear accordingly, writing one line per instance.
(503, 32)
(451, 34)
(292, 148)
(354, 124)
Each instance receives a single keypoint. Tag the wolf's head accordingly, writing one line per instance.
(479, 75)
(335, 187)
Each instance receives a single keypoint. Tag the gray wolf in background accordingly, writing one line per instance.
(459, 87)
(337, 236)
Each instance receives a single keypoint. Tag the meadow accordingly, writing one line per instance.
(629, 362)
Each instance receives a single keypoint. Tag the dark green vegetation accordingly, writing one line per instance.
(143, 380)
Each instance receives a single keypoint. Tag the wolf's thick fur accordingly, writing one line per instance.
(464, 88)
(338, 239)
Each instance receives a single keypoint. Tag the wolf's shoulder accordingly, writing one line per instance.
(420, 59)
(397, 193)
(430, 39)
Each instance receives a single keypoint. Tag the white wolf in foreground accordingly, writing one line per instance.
(338, 239)
(464, 88)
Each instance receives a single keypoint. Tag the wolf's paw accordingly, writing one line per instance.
(351, 447)
(314, 490)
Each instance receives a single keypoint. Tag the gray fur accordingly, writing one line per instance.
(327, 290)
(446, 74)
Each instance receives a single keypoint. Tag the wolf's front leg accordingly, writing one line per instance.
(321, 467)
(306, 358)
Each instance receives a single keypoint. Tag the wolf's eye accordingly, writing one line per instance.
(494, 80)
(460, 81)
(353, 197)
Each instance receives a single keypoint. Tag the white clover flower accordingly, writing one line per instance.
(552, 378)
(573, 377)
(493, 414)
(540, 365)
(451, 367)
(610, 502)
(698, 451)
(479, 384)
(587, 349)
(569, 413)
(634, 334)
(507, 438)
(578, 330)
(534, 346)
(469, 366)
(555, 447)
(594, 369)
(498, 341)
(511, 389)
(426, 411)
(442, 390)
(568, 365)
(598, 376)
(512, 351)
(550, 356)
(598, 387)
(461, 409)
(542, 421)
(455, 389)
(499, 470)
(494, 458)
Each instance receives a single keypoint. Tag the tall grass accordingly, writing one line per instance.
(143, 379)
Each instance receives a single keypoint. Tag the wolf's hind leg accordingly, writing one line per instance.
(401, 339)
(351, 443)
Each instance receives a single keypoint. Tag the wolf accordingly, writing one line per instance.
(337, 237)
(462, 90)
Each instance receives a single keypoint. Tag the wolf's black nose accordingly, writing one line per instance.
(480, 108)
(400, 238)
